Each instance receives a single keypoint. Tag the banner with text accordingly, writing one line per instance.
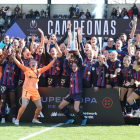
(102, 107)
(90, 27)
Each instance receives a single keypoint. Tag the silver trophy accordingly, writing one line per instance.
(73, 42)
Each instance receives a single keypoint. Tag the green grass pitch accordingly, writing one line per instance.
(70, 132)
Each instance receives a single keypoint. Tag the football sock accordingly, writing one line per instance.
(66, 113)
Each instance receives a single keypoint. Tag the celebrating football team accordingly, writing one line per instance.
(77, 65)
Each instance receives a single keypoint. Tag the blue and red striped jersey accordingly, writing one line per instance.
(126, 73)
(76, 79)
(65, 71)
(99, 73)
(40, 65)
(136, 77)
(8, 73)
(56, 68)
(87, 66)
(112, 67)
(21, 73)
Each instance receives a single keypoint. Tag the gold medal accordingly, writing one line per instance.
(7, 70)
(101, 77)
(71, 85)
(97, 73)
(10, 78)
(88, 72)
(64, 71)
(55, 71)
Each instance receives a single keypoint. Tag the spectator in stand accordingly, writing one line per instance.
(114, 13)
(118, 11)
(1, 13)
(126, 17)
(13, 15)
(9, 12)
(46, 12)
(41, 17)
(125, 12)
(36, 13)
(37, 17)
(33, 16)
(19, 15)
(77, 9)
(47, 17)
(2, 9)
(88, 15)
(29, 15)
(83, 16)
(77, 15)
(7, 8)
(42, 13)
(24, 16)
(9, 22)
(130, 13)
(135, 11)
(17, 9)
(122, 13)
(31, 12)
(14, 20)
(71, 10)
(81, 13)
(2, 21)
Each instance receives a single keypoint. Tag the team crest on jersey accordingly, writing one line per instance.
(62, 82)
(3, 88)
(119, 65)
(93, 68)
(50, 80)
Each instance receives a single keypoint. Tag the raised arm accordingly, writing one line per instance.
(129, 50)
(18, 63)
(41, 70)
(65, 35)
(31, 47)
(22, 45)
(133, 28)
(57, 48)
(42, 36)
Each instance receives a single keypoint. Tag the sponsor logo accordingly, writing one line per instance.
(131, 23)
(107, 102)
(41, 115)
(54, 114)
(89, 115)
(59, 99)
(33, 24)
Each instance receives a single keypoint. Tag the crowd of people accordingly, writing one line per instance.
(75, 13)
(52, 63)
(117, 13)
(9, 17)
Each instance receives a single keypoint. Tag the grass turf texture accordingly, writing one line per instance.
(70, 132)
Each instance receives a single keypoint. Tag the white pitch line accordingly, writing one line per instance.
(42, 131)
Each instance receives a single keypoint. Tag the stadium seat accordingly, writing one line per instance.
(55, 16)
(65, 16)
(60, 16)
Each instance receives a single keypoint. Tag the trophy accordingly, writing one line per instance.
(73, 42)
